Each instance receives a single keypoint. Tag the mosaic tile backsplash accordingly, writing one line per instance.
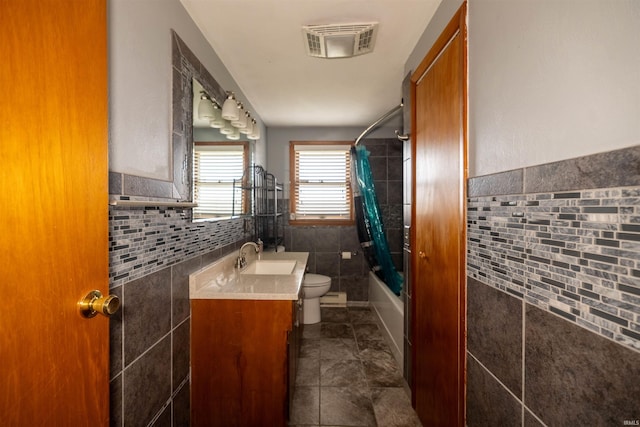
(145, 240)
(573, 253)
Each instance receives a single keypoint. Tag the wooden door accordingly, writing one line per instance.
(438, 229)
(54, 212)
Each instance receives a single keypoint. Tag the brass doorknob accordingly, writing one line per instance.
(422, 255)
(94, 302)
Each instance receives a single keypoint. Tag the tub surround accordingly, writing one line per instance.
(221, 280)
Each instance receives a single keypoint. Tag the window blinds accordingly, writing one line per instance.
(322, 189)
(215, 170)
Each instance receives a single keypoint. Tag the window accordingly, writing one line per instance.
(320, 183)
(218, 170)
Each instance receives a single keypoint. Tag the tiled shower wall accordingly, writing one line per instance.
(325, 243)
(152, 252)
(554, 293)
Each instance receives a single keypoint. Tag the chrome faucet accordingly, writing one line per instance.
(241, 261)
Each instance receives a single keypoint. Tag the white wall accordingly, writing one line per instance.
(548, 80)
(140, 83)
(551, 80)
(279, 137)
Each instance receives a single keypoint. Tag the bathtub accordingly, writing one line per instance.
(389, 309)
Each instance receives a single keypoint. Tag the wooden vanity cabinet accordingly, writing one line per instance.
(243, 361)
(294, 342)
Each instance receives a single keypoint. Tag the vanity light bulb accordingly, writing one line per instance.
(217, 121)
(230, 110)
(248, 129)
(234, 136)
(227, 128)
(205, 109)
(255, 133)
(241, 123)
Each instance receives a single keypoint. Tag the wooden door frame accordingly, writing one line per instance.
(457, 25)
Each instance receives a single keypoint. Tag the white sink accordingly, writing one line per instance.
(270, 267)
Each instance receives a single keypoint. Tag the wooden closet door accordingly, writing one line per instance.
(439, 229)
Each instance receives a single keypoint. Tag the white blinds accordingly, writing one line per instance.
(215, 169)
(322, 189)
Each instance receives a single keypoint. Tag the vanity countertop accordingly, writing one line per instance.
(220, 280)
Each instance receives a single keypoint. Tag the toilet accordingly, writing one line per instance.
(314, 286)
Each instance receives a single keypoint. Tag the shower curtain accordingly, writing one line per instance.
(369, 222)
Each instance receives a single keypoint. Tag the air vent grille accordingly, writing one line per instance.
(365, 39)
(340, 40)
(313, 44)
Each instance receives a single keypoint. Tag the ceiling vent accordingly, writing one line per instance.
(340, 40)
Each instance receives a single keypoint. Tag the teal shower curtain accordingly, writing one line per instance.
(370, 226)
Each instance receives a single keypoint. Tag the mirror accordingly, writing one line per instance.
(221, 173)
(189, 78)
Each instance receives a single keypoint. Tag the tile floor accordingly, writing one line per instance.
(347, 375)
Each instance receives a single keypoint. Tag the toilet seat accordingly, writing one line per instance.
(313, 280)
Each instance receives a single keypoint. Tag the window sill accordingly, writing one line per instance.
(325, 222)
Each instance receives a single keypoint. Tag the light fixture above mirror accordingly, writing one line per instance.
(210, 112)
(255, 131)
(206, 107)
(230, 108)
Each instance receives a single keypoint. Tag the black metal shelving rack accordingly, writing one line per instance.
(268, 208)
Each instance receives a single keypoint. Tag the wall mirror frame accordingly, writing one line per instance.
(185, 68)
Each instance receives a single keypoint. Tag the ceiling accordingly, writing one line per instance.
(262, 45)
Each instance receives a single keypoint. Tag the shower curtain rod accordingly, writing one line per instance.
(380, 120)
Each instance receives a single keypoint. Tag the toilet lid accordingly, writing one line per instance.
(315, 280)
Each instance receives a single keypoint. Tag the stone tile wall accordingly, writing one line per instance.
(554, 293)
(386, 163)
(144, 240)
(152, 252)
(325, 244)
(523, 361)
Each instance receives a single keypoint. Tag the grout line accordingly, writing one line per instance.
(523, 344)
(147, 350)
(171, 330)
(319, 384)
(494, 377)
(122, 384)
(525, 408)
(368, 385)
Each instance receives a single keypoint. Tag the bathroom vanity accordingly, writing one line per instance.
(245, 336)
